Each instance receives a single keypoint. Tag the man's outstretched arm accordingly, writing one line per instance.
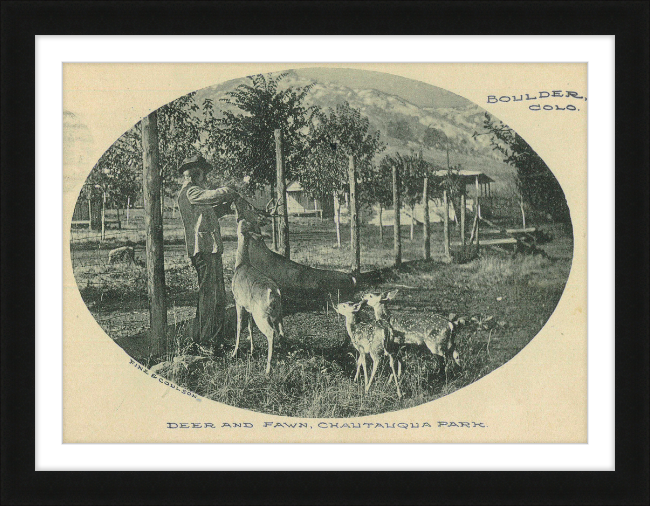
(216, 197)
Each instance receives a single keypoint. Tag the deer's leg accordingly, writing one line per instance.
(268, 329)
(269, 338)
(250, 332)
(375, 364)
(356, 376)
(362, 357)
(390, 376)
(240, 315)
(392, 367)
(279, 333)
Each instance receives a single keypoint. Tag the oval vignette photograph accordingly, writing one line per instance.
(320, 242)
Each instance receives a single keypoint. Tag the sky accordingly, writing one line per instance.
(416, 92)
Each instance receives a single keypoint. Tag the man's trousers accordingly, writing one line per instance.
(210, 310)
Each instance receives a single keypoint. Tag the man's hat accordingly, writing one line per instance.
(194, 161)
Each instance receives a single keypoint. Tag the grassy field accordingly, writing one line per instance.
(502, 302)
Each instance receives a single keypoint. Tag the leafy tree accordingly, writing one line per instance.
(243, 138)
(399, 130)
(117, 176)
(434, 138)
(334, 136)
(114, 178)
(179, 134)
(377, 185)
(537, 185)
(412, 181)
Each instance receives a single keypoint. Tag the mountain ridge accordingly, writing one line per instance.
(403, 125)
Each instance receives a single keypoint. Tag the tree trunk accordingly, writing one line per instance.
(162, 197)
(523, 213)
(274, 223)
(90, 214)
(128, 206)
(337, 218)
(478, 223)
(154, 230)
(119, 222)
(397, 240)
(463, 205)
(381, 224)
(446, 222)
(412, 222)
(426, 224)
(354, 218)
(282, 196)
(103, 236)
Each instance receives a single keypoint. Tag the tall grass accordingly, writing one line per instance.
(312, 372)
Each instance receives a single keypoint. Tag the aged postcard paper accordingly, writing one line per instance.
(336, 253)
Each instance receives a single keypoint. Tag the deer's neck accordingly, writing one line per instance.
(381, 313)
(242, 251)
(350, 325)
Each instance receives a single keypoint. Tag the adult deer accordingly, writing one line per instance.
(257, 297)
(289, 275)
(433, 331)
(371, 338)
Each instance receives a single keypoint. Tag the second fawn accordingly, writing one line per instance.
(370, 338)
(256, 295)
(434, 331)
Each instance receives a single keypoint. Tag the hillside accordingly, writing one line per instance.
(404, 125)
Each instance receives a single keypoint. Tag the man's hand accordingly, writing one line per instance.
(243, 186)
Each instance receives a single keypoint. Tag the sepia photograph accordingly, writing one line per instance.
(320, 243)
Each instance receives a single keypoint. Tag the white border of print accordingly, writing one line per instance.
(52, 51)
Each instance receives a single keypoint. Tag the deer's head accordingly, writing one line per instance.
(375, 299)
(256, 218)
(349, 309)
(246, 229)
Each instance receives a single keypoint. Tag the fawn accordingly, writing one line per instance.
(255, 294)
(371, 338)
(434, 331)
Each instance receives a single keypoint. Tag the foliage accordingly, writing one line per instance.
(334, 136)
(179, 133)
(399, 130)
(118, 172)
(377, 185)
(536, 183)
(434, 138)
(243, 141)
(412, 170)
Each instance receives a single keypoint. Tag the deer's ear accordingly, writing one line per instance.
(359, 305)
(255, 236)
(390, 295)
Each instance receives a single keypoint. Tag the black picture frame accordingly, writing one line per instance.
(21, 21)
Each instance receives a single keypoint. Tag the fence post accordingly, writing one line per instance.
(90, 214)
(354, 217)
(446, 221)
(463, 205)
(425, 219)
(103, 235)
(397, 240)
(151, 185)
(478, 215)
(281, 185)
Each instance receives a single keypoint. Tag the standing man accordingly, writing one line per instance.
(200, 210)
